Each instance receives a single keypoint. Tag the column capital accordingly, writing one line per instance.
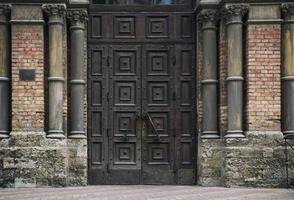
(234, 12)
(208, 17)
(77, 18)
(5, 9)
(288, 10)
(54, 10)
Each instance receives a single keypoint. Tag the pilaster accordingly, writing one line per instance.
(4, 71)
(233, 14)
(208, 20)
(288, 71)
(56, 14)
(77, 18)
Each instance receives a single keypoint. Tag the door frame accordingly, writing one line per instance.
(138, 9)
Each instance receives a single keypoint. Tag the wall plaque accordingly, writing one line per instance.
(27, 74)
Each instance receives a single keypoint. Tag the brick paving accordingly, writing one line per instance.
(146, 193)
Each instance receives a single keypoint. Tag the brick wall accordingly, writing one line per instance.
(27, 96)
(263, 77)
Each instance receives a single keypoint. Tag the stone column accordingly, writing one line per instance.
(233, 13)
(56, 13)
(288, 71)
(77, 20)
(207, 18)
(4, 71)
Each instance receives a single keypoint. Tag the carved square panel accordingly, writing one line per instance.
(96, 27)
(96, 124)
(157, 27)
(158, 93)
(160, 121)
(96, 97)
(96, 67)
(124, 27)
(96, 153)
(124, 124)
(125, 153)
(157, 62)
(186, 62)
(186, 26)
(186, 93)
(125, 93)
(125, 62)
(158, 154)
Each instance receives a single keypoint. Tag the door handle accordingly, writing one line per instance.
(149, 119)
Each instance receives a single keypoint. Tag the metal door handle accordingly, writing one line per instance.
(149, 119)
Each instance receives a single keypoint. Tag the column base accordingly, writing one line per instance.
(288, 134)
(235, 134)
(4, 134)
(210, 135)
(77, 135)
(55, 134)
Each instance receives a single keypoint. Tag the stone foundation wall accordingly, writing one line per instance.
(29, 159)
(257, 161)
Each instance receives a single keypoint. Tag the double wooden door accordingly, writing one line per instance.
(141, 111)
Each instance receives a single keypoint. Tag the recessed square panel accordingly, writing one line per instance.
(157, 62)
(158, 154)
(186, 26)
(186, 93)
(124, 27)
(186, 62)
(125, 153)
(96, 93)
(96, 62)
(186, 124)
(160, 122)
(158, 93)
(96, 26)
(125, 62)
(124, 124)
(186, 153)
(157, 27)
(125, 93)
(96, 124)
(96, 153)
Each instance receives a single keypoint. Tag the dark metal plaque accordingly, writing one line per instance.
(27, 74)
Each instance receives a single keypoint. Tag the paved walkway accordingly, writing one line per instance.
(146, 193)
